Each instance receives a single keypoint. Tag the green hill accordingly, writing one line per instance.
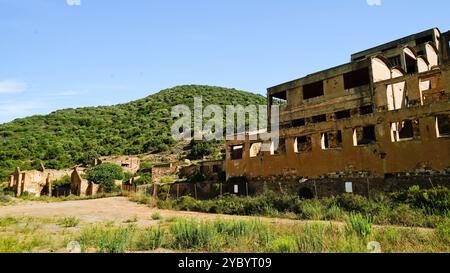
(73, 136)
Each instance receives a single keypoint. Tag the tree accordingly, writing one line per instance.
(199, 149)
(105, 175)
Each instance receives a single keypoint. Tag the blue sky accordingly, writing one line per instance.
(102, 52)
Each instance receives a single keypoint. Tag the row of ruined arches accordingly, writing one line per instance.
(382, 69)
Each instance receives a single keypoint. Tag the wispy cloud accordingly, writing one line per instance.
(10, 110)
(67, 93)
(374, 2)
(12, 86)
(73, 2)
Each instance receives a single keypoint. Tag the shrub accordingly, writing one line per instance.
(8, 221)
(285, 244)
(107, 239)
(406, 216)
(150, 239)
(104, 175)
(432, 201)
(5, 198)
(359, 224)
(190, 234)
(68, 222)
(156, 216)
(312, 239)
(142, 198)
(63, 182)
(352, 203)
(443, 231)
(334, 213)
(311, 210)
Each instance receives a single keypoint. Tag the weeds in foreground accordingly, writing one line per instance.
(359, 225)
(68, 222)
(156, 216)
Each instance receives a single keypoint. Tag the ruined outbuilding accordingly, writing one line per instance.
(129, 164)
(81, 186)
(35, 182)
(365, 126)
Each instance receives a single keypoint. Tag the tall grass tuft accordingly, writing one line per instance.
(190, 234)
(359, 225)
(312, 239)
(285, 244)
(150, 239)
(68, 222)
(107, 239)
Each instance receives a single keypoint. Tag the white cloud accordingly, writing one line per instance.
(10, 110)
(67, 93)
(73, 2)
(12, 86)
(374, 2)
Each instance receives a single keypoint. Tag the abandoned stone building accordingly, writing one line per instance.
(376, 124)
(35, 182)
(129, 164)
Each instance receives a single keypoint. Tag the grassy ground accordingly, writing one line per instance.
(190, 235)
(7, 200)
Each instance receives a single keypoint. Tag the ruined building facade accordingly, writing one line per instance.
(378, 123)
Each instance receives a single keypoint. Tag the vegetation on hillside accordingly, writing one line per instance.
(76, 136)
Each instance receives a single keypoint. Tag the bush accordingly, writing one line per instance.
(432, 201)
(312, 239)
(359, 225)
(150, 239)
(406, 216)
(311, 210)
(104, 175)
(156, 216)
(65, 181)
(285, 244)
(189, 234)
(107, 239)
(443, 230)
(352, 203)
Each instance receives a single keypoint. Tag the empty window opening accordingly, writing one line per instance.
(405, 130)
(425, 39)
(364, 135)
(313, 90)
(356, 78)
(279, 98)
(255, 149)
(319, 118)
(411, 64)
(305, 193)
(279, 149)
(397, 96)
(298, 122)
(237, 152)
(332, 140)
(343, 114)
(443, 125)
(303, 144)
(366, 110)
(217, 168)
(395, 61)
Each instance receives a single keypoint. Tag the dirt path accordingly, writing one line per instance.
(121, 210)
(115, 209)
